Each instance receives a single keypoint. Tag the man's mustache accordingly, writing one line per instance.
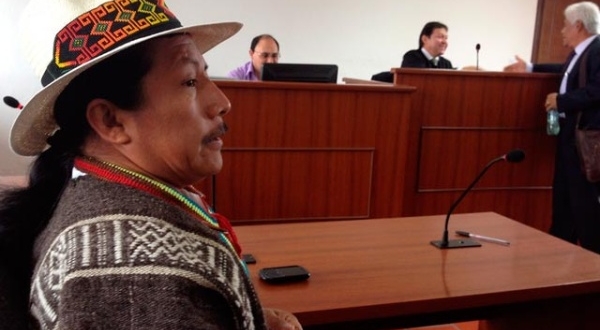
(216, 133)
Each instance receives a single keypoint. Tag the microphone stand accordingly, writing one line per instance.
(477, 48)
(445, 243)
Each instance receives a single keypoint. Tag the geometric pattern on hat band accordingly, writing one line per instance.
(104, 28)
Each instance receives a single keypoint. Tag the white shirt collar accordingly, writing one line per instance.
(426, 53)
(584, 44)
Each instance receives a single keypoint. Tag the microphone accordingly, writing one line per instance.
(12, 102)
(513, 156)
(477, 48)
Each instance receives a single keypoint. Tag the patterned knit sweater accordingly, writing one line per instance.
(114, 257)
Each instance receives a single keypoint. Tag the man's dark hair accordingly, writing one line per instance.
(428, 30)
(258, 38)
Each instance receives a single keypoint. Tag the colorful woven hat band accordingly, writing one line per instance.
(104, 28)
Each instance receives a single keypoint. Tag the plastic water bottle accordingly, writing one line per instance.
(552, 126)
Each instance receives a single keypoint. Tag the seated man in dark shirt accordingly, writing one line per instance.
(433, 42)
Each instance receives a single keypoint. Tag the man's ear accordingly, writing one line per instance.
(105, 118)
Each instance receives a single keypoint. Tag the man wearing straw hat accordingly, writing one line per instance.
(110, 233)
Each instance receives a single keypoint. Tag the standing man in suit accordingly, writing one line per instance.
(575, 201)
(433, 42)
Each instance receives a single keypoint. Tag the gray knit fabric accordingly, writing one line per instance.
(114, 257)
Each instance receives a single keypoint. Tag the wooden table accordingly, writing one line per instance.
(382, 273)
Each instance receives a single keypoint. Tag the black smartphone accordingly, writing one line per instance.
(284, 274)
(248, 258)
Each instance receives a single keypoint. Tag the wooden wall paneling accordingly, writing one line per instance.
(547, 44)
(298, 184)
(307, 152)
(310, 152)
(461, 121)
(463, 144)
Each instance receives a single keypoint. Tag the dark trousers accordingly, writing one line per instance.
(575, 205)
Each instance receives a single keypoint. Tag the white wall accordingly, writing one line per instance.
(361, 36)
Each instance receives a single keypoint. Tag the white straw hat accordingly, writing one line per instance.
(89, 31)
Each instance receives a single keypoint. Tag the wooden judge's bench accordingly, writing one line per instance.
(314, 152)
(463, 119)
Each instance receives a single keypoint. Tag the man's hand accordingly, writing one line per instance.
(551, 102)
(519, 66)
(277, 319)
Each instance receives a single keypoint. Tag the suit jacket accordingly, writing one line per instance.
(385, 76)
(575, 99)
(416, 59)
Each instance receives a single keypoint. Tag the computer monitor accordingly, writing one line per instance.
(292, 72)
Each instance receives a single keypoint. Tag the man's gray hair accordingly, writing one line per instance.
(587, 13)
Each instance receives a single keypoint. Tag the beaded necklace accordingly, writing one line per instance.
(114, 173)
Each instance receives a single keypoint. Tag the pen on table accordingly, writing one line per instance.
(483, 238)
